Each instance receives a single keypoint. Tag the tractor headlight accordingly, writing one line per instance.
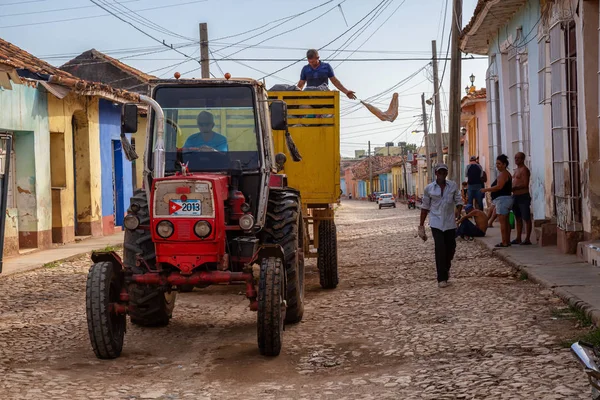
(246, 222)
(165, 229)
(131, 222)
(135, 207)
(202, 229)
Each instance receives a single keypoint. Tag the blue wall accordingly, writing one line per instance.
(383, 183)
(110, 145)
(362, 189)
(343, 186)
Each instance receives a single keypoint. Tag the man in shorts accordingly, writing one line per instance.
(522, 200)
(467, 229)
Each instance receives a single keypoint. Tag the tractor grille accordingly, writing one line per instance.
(166, 191)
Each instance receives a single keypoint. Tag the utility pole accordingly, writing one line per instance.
(370, 171)
(204, 59)
(427, 153)
(436, 105)
(455, 94)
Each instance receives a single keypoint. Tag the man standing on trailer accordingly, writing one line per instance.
(317, 73)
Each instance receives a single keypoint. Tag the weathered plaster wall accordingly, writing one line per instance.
(589, 140)
(23, 111)
(541, 136)
(61, 113)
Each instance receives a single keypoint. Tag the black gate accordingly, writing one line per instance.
(5, 152)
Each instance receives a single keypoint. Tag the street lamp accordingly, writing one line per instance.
(467, 89)
(472, 78)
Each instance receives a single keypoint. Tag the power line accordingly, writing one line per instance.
(145, 21)
(288, 18)
(282, 33)
(141, 30)
(361, 30)
(22, 2)
(350, 60)
(372, 34)
(53, 10)
(346, 31)
(97, 16)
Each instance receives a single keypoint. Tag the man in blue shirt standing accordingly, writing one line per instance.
(317, 73)
(206, 136)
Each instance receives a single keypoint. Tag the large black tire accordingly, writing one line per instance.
(327, 260)
(284, 227)
(150, 305)
(271, 307)
(106, 328)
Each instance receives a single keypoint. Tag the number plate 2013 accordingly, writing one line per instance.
(185, 207)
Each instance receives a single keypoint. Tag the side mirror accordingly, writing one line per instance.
(278, 110)
(129, 119)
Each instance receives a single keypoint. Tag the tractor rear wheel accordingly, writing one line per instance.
(271, 306)
(284, 227)
(327, 261)
(150, 305)
(105, 327)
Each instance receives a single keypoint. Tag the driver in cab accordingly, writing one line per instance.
(206, 137)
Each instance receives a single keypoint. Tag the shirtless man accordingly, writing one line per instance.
(468, 229)
(522, 200)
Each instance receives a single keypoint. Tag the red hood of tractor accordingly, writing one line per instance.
(183, 201)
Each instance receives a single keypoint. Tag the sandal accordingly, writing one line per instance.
(502, 245)
(515, 242)
(526, 243)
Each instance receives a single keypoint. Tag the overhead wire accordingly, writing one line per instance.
(54, 10)
(346, 31)
(139, 29)
(373, 34)
(282, 33)
(97, 16)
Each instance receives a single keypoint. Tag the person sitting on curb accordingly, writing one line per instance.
(467, 229)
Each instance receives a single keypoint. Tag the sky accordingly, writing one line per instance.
(386, 32)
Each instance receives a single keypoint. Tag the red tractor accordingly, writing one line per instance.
(213, 210)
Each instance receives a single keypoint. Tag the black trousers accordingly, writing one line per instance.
(445, 247)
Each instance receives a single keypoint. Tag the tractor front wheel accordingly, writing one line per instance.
(271, 306)
(151, 306)
(105, 327)
(327, 261)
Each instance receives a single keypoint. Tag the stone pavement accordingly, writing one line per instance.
(576, 282)
(37, 259)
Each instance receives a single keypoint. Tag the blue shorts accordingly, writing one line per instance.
(503, 205)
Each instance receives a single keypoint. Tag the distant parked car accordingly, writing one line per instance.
(387, 200)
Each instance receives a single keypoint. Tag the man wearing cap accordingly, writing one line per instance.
(442, 200)
(475, 179)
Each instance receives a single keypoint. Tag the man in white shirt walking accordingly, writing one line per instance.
(442, 200)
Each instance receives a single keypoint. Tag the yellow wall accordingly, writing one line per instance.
(60, 112)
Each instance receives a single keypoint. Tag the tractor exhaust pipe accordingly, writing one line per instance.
(159, 147)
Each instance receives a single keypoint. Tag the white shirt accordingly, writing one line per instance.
(441, 207)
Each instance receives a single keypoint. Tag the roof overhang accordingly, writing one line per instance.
(489, 16)
(8, 73)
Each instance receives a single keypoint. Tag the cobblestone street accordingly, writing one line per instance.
(386, 332)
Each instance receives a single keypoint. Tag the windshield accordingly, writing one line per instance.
(209, 128)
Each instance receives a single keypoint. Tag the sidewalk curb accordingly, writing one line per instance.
(37, 266)
(568, 298)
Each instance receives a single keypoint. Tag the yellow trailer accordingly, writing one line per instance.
(314, 123)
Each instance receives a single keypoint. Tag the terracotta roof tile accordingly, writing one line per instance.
(380, 165)
(18, 58)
